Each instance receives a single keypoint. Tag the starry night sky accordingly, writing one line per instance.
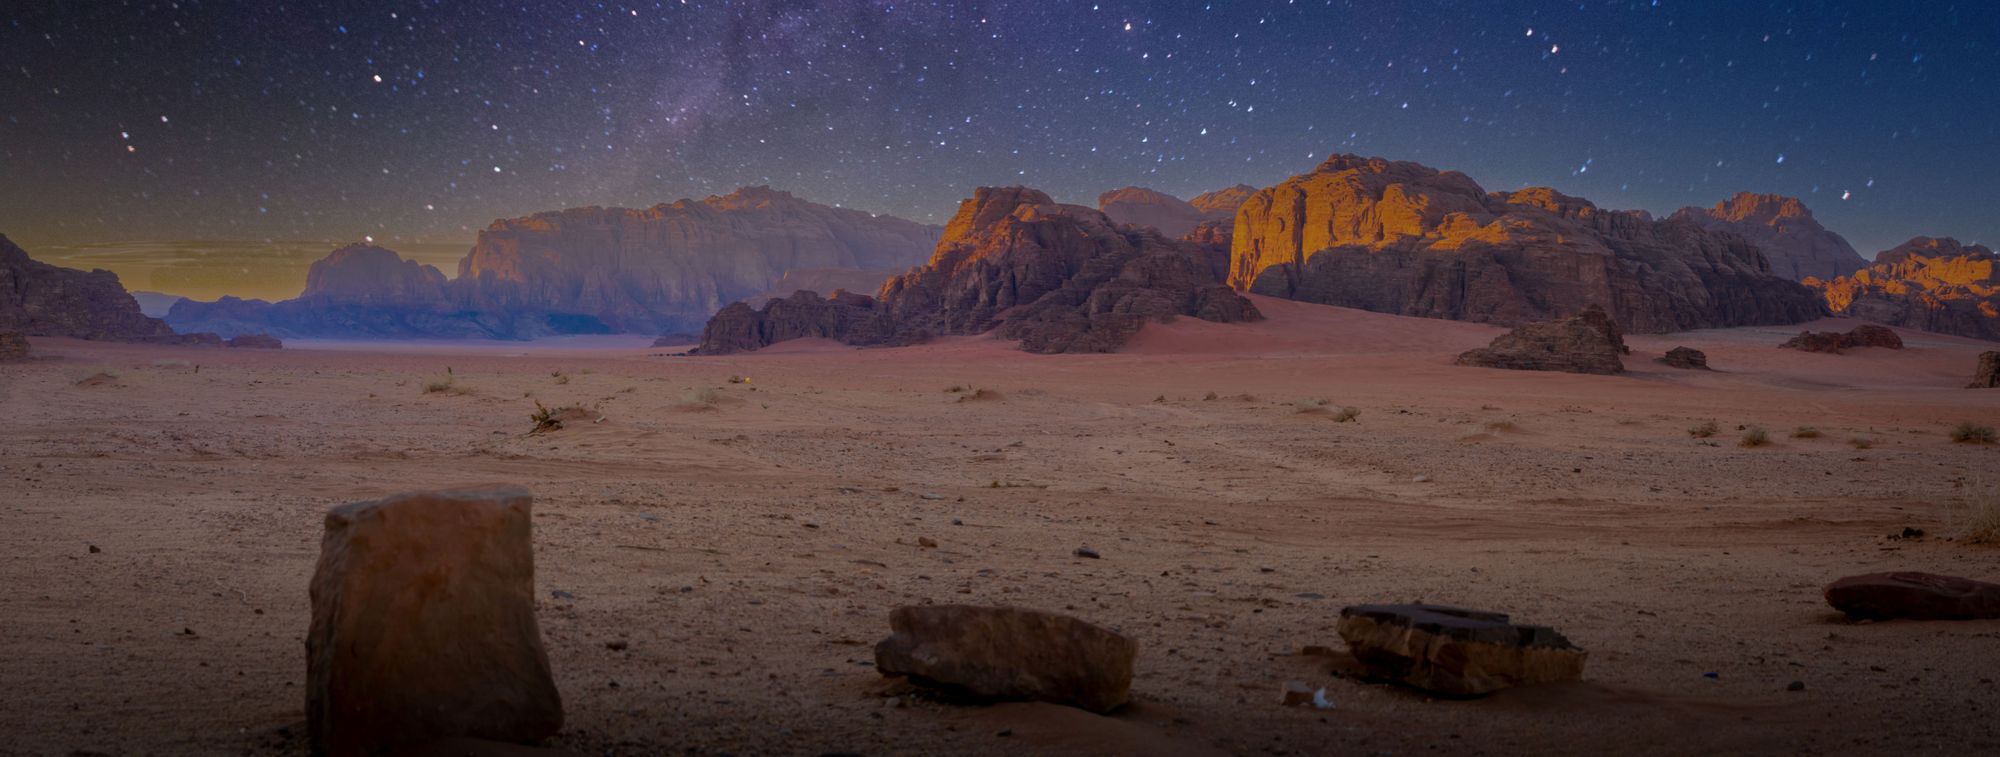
(420, 122)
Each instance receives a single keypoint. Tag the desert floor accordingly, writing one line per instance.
(747, 540)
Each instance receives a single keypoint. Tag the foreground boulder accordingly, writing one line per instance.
(256, 342)
(1455, 652)
(1686, 358)
(1588, 342)
(1987, 374)
(1833, 342)
(1010, 653)
(423, 625)
(1402, 238)
(1914, 596)
(13, 346)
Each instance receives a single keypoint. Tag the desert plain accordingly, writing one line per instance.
(715, 558)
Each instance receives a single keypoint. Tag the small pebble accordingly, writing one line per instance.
(1088, 552)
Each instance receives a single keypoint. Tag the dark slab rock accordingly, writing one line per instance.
(1686, 358)
(1834, 342)
(423, 625)
(1987, 374)
(1010, 653)
(1588, 342)
(1456, 652)
(1914, 596)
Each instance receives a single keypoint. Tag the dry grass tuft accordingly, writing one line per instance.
(1805, 432)
(981, 395)
(1973, 433)
(1861, 442)
(1754, 437)
(1705, 430)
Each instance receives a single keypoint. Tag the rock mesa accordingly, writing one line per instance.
(1930, 284)
(1797, 246)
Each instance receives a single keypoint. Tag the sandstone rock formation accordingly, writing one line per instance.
(1222, 204)
(14, 346)
(423, 625)
(1686, 358)
(1455, 652)
(740, 328)
(580, 271)
(1010, 653)
(255, 342)
(1171, 215)
(1797, 246)
(1914, 596)
(1588, 342)
(38, 299)
(670, 267)
(1865, 335)
(1987, 374)
(1931, 284)
(1398, 237)
(1059, 278)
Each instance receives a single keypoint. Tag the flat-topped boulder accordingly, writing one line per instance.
(1834, 342)
(1986, 375)
(1456, 652)
(1010, 653)
(423, 625)
(1914, 596)
(1588, 342)
(1686, 358)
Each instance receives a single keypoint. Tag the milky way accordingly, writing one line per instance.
(426, 120)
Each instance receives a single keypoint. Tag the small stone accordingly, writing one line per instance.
(1420, 478)
(926, 542)
(957, 522)
(94, 549)
(560, 594)
(617, 646)
(1087, 552)
(1455, 652)
(1010, 653)
(1796, 686)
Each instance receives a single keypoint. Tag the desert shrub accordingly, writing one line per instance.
(1501, 426)
(739, 379)
(1861, 442)
(981, 395)
(1973, 433)
(1704, 430)
(1347, 414)
(1310, 406)
(954, 389)
(702, 396)
(545, 419)
(560, 377)
(1211, 397)
(1982, 522)
(1754, 437)
(446, 384)
(1805, 432)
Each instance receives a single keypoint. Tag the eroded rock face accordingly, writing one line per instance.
(255, 342)
(1010, 653)
(1398, 237)
(1865, 335)
(1986, 375)
(423, 625)
(38, 299)
(740, 328)
(1792, 240)
(669, 267)
(13, 346)
(1914, 596)
(1686, 358)
(1931, 284)
(1221, 204)
(1171, 215)
(1456, 652)
(1059, 278)
(1588, 342)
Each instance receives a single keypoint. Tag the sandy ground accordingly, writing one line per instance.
(747, 541)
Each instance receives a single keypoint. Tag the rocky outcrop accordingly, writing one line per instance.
(14, 346)
(1455, 652)
(361, 274)
(1221, 204)
(255, 342)
(740, 328)
(1797, 246)
(1865, 335)
(1588, 342)
(1930, 284)
(1010, 653)
(1986, 375)
(423, 625)
(1686, 358)
(1058, 278)
(670, 267)
(38, 299)
(1171, 215)
(1914, 596)
(1398, 237)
